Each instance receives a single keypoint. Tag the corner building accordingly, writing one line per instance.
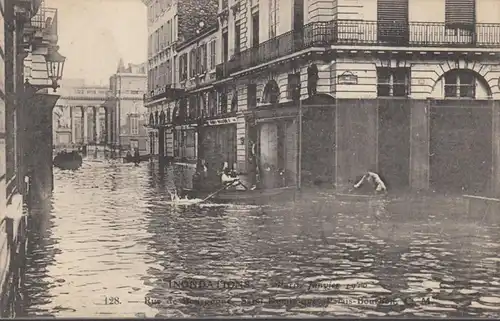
(184, 50)
(407, 88)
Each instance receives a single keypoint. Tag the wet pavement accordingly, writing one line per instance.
(111, 244)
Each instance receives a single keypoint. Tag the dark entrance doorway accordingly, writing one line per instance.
(460, 148)
(318, 140)
(394, 143)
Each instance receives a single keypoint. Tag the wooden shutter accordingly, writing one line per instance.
(460, 13)
(392, 16)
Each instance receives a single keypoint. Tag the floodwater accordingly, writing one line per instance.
(111, 244)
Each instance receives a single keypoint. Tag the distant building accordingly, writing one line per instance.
(127, 88)
(88, 114)
(79, 117)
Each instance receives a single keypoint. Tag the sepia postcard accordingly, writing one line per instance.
(249, 158)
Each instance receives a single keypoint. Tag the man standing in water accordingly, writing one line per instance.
(137, 156)
(373, 179)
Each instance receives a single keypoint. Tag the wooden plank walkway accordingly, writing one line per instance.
(485, 208)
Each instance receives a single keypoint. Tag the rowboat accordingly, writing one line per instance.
(131, 159)
(258, 196)
(68, 161)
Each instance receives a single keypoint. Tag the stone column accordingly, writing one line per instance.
(106, 126)
(94, 125)
(72, 125)
(419, 144)
(97, 124)
(85, 125)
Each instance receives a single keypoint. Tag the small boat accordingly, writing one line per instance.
(258, 196)
(131, 159)
(68, 161)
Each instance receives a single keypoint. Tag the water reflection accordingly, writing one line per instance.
(111, 234)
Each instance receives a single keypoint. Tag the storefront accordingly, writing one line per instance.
(277, 147)
(219, 143)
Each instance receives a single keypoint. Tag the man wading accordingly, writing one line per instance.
(372, 179)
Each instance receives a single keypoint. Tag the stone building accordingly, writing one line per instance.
(385, 85)
(389, 86)
(181, 58)
(127, 88)
(79, 117)
(28, 35)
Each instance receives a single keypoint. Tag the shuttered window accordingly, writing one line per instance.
(460, 14)
(392, 16)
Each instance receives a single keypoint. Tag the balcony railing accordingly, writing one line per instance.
(163, 92)
(371, 33)
(45, 20)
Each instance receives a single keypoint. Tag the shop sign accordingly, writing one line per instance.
(347, 78)
(185, 127)
(223, 121)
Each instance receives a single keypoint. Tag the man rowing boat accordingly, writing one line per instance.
(373, 179)
(230, 179)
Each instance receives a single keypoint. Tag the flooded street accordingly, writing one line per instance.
(111, 244)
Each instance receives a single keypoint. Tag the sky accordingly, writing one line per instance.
(95, 34)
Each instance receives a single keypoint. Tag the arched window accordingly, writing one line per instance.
(162, 117)
(460, 84)
(271, 93)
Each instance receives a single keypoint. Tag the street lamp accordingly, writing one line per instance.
(55, 66)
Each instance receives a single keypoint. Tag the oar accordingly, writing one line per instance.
(214, 193)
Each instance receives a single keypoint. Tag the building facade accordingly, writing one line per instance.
(28, 32)
(79, 117)
(127, 88)
(384, 85)
(182, 56)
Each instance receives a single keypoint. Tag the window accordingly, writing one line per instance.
(255, 29)
(393, 82)
(460, 14)
(251, 96)
(193, 106)
(134, 125)
(204, 58)
(183, 67)
(169, 72)
(201, 59)
(212, 54)
(392, 21)
(212, 103)
(169, 33)
(273, 18)
(150, 45)
(225, 46)
(237, 35)
(162, 38)
(293, 90)
(234, 100)
(223, 101)
(192, 63)
(460, 84)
